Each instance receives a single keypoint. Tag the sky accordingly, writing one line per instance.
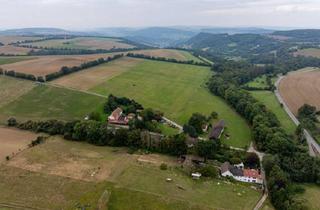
(86, 14)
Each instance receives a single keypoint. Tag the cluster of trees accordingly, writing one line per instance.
(12, 73)
(269, 86)
(292, 160)
(173, 60)
(68, 70)
(308, 116)
(126, 104)
(196, 123)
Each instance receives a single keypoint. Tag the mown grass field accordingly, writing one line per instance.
(87, 43)
(177, 90)
(271, 102)
(8, 60)
(311, 196)
(46, 102)
(31, 179)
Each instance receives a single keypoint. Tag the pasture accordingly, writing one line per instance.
(86, 43)
(11, 89)
(311, 196)
(312, 52)
(169, 53)
(132, 181)
(270, 101)
(13, 141)
(46, 102)
(301, 87)
(89, 78)
(261, 82)
(178, 90)
(40, 66)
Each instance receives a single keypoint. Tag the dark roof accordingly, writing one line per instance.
(226, 166)
(217, 129)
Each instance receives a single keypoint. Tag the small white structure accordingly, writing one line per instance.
(240, 174)
(196, 175)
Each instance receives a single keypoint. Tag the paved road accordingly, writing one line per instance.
(314, 148)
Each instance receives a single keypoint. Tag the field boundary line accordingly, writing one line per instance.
(314, 148)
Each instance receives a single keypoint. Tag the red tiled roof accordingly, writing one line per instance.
(251, 173)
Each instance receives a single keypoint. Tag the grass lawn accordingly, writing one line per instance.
(45, 102)
(311, 196)
(271, 102)
(259, 82)
(15, 59)
(178, 90)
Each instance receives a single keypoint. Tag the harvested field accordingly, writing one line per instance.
(12, 50)
(301, 87)
(12, 141)
(10, 39)
(11, 89)
(313, 52)
(89, 78)
(89, 43)
(169, 53)
(48, 64)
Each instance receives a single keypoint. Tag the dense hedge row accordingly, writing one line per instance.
(12, 73)
(68, 70)
(173, 60)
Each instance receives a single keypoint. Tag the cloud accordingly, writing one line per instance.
(298, 8)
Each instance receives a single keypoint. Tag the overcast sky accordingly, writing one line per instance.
(81, 14)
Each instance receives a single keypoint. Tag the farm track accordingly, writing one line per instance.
(314, 148)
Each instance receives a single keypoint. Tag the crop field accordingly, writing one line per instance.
(43, 65)
(90, 78)
(10, 39)
(13, 141)
(301, 87)
(131, 181)
(311, 196)
(12, 50)
(11, 89)
(178, 90)
(46, 102)
(271, 102)
(88, 43)
(313, 52)
(14, 59)
(169, 53)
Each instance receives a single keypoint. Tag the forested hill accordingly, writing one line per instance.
(232, 45)
(302, 35)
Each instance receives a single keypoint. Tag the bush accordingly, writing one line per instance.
(163, 166)
(208, 171)
(12, 122)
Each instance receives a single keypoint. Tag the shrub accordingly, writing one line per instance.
(208, 171)
(12, 122)
(163, 166)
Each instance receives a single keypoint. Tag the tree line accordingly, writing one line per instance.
(12, 73)
(289, 161)
(173, 60)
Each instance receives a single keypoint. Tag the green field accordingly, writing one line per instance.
(189, 56)
(15, 59)
(59, 167)
(311, 196)
(261, 82)
(178, 90)
(46, 102)
(271, 102)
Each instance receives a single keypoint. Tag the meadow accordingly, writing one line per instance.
(178, 90)
(64, 174)
(14, 59)
(46, 102)
(270, 101)
(311, 196)
(87, 43)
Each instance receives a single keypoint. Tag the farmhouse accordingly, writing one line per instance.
(239, 174)
(217, 130)
(117, 117)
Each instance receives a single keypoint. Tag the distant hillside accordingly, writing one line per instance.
(231, 31)
(232, 45)
(35, 31)
(300, 35)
